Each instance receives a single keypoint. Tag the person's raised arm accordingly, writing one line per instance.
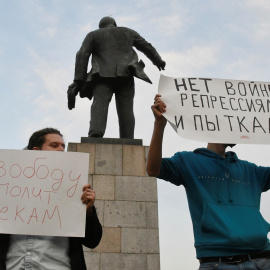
(155, 149)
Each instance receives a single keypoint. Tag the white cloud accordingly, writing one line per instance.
(39, 13)
(86, 28)
(1, 53)
(262, 30)
(262, 5)
(193, 60)
(259, 20)
(125, 20)
(49, 32)
(170, 25)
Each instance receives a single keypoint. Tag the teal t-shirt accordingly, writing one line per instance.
(224, 201)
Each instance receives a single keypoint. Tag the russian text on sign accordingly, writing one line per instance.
(217, 110)
(40, 192)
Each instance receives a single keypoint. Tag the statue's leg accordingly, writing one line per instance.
(124, 95)
(102, 95)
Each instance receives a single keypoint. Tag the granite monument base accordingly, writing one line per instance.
(126, 202)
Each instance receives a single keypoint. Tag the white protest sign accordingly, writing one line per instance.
(41, 192)
(217, 110)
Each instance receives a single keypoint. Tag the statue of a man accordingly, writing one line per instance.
(114, 64)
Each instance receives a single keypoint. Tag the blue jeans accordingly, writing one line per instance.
(257, 264)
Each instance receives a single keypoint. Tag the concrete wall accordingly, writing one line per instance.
(126, 202)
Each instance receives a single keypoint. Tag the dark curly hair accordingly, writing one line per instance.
(38, 138)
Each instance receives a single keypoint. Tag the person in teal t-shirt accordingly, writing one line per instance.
(224, 195)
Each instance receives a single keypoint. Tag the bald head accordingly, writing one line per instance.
(107, 21)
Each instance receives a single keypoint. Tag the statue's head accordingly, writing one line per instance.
(107, 21)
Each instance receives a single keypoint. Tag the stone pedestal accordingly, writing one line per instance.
(126, 202)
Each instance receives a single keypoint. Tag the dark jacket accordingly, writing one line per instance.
(93, 234)
(113, 55)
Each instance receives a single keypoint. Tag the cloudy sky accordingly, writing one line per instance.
(225, 39)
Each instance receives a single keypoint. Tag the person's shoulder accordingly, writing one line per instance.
(247, 163)
(181, 154)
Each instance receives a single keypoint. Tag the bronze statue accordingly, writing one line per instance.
(114, 64)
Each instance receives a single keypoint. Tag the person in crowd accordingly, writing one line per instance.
(51, 252)
(223, 194)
